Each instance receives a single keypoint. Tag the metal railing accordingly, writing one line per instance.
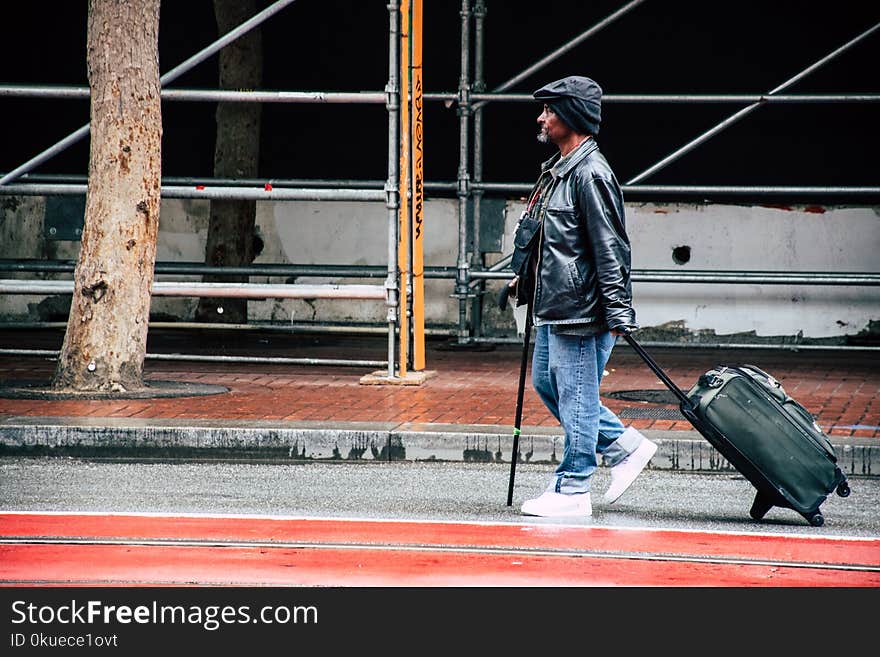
(290, 291)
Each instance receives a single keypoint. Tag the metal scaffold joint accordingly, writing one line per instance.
(464, 101)
(391, 97)
(464, 184)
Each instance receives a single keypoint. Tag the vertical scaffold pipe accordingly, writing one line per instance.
(463, 274)
(391, 185)
(403, 223)
(418, 191)
(479, 86)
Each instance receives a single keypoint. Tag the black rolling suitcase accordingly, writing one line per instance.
(766, 435)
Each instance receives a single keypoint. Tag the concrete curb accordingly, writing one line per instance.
(352, 441)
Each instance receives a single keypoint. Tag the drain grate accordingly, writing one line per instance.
(651, 414)
(652, 396)
(661, 396)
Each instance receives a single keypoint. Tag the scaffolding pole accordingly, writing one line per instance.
(264, 193)
(418, 192)
(462, 287)
(403, 181)
(495, 272)
(225, 290)
(479, 85)
(391, 186)
(228, 191)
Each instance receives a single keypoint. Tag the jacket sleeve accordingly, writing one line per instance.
(603, 214)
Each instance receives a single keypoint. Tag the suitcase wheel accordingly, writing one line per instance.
(760, 506)
(843, 489)
(817, 520)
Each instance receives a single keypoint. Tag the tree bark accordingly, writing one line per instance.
(105, 342)
(231, 228)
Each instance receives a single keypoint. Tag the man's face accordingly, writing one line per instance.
(553, 129)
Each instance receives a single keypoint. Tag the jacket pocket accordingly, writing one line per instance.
(578, 285)
(575, 280)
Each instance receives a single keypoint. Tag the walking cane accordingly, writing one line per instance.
(519, 402)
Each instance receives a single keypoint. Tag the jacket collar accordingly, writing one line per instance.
(559, 166)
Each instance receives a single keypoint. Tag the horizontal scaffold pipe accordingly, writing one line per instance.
(22, 286)
(278, 185)
(743, 277)
(256, 269)
(268, 360)
(693, 98)
(701, 189)
(380, 97)
(266, 193)
(234, 290)
(736, 189)
(252, 326)
(776, 346)
(58, 178)
(218, 95)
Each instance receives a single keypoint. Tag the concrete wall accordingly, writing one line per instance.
(791, 239)
(720, 237)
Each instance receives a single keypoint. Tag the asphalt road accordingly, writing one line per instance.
(466, 492)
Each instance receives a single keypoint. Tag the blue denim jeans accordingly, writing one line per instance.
(566, 372)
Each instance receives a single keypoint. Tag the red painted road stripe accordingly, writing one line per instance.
(126, 565)
(753, 546)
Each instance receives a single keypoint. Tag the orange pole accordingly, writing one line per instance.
(403, 217)
(418, 192)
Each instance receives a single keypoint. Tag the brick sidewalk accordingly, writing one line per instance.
(470, 386)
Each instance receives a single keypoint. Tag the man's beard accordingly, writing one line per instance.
(543, 137)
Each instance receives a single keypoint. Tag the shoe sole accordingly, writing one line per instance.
(609, 500)
(579, 514)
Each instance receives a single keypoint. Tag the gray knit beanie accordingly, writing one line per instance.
(576, 100)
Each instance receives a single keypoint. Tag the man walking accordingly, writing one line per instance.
(572, 260)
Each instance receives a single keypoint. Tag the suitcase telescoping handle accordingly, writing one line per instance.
(657, 369)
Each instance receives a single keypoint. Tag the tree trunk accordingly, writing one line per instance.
(231, 232)
(105, 343)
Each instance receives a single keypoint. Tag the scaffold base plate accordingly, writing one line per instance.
(409, 379)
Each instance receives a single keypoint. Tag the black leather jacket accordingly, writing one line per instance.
(580, 247)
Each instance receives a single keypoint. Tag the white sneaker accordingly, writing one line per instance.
(625, 472)
(556, 505)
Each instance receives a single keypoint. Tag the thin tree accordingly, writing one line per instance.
(105, 342)
(231, 227)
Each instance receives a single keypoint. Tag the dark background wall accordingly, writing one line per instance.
(662, 46)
